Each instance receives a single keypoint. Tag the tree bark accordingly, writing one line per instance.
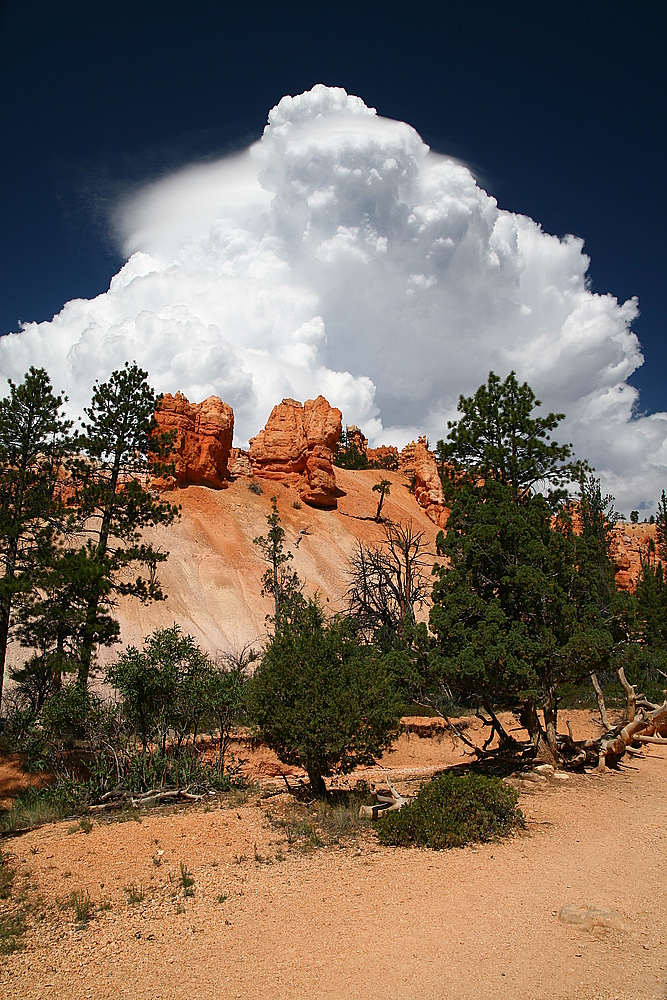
(317, 785)
(630, 694)
(600, 698)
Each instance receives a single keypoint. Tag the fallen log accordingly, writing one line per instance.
(609, 748)
(383, 803)
(117, 798)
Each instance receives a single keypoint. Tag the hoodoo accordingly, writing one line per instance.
(202, 440)
(297, 446)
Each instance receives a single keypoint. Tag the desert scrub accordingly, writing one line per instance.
(134, 893)
(187, 881)
(12, 928)
(6, 877)
(82, 905)
(35, 806)
(13, 923)
(451, 811)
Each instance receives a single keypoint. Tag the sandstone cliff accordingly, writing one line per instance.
(297, 447)
(356, 439)
(406, 458)
(428, 488)
(202, 440)
(630, 544)
(383, 457)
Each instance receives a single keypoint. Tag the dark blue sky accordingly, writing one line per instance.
(558, 108)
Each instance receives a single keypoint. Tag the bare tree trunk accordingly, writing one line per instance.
(600, 698)
(497, 726)
(5, 609)
(630, 694)
(529, 719)
(549, 709)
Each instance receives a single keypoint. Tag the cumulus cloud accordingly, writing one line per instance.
(338, 254)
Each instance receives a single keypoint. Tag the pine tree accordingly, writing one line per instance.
(114, 502)
(384, 489)
(661, 527)
(513, 616)
(51, 620)
(279, 581)
(593, 547)
(498, 437)
(322, 699)
(519, 607)
(34, 437)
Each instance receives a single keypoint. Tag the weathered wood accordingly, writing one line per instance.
(630, 694)
(384, 803)
(600, 697)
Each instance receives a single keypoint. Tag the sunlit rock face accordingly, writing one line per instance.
(297, 446)
(427, 485)
(339, 255)
(202, 440)
(630, 545)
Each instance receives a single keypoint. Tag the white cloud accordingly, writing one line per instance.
(338, 254)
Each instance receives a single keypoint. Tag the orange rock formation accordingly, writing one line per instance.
(428, 488)
(239, 463)
(384, 457)
(202, 440)
(297, 446)
(406, 458)
(356, 438)
(630, 544)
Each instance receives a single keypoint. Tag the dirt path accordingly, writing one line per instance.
(356, 920)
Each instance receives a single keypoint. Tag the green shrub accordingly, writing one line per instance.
(451, 811)
(82, 905)
(6, 877)
(322, 700)
(34, 806)
(13, 926)
(177, 768)
(135, 894)
(187, 881)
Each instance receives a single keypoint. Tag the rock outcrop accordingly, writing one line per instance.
(202, 440)
(297, 447)
(356, 438)
(406, 459)
(384, 457)
(630, 543)
(428, 488)
(239, 463)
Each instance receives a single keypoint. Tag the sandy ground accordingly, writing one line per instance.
(274, 915)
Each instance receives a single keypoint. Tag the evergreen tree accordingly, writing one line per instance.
(652, 606)
(523, 603)
(384, 489)
(348, 455)
(592, 547)
(34, 437)
(279, 581)
(661, 527)
(323, 700)
(651, 596)
(498, 436)
(113, 500)
(52, 616)
(512, 615)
